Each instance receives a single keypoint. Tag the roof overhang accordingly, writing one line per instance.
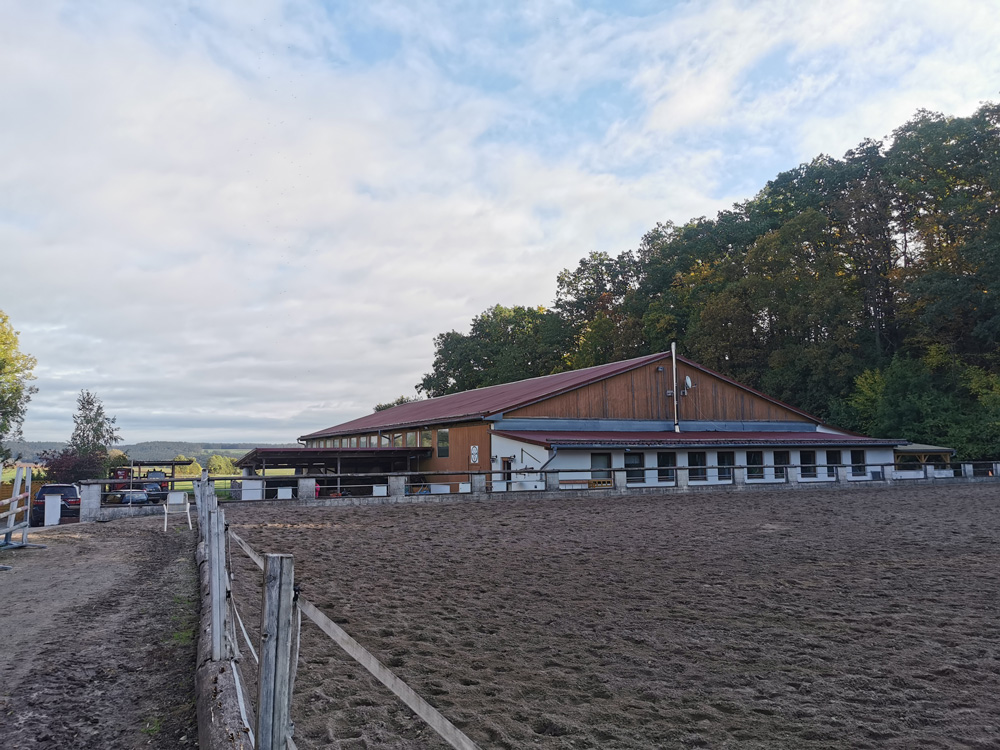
(629, 440)
(316, 458)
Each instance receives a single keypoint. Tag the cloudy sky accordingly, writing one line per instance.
(246, 220)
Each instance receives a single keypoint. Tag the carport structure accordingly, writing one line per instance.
(374, 462)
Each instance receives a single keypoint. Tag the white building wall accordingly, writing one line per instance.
(574, 464)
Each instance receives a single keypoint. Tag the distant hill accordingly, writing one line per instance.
(155, 450)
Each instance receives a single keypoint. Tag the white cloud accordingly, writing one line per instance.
(243, 223)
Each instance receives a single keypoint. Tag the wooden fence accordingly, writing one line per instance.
(14, 513)
(268, 720)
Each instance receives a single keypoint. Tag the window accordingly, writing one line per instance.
(833, 460)
(354, 442)
(443, 443)
(384, 441)
(697, 460)
(600, 466)
(336, 442)
(635, 467)
(755, 464)
(807, 460)
(782, 460)
(726, 461)
(363, 441)
(859, 466)
(397, 440)
(411, 440)
(425, 438)
(665, 463)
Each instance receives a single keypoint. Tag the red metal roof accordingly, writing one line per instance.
(495, 399)
(571, 439)
(482, 402)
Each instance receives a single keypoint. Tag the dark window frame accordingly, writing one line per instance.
(600, 472)
(782, 460)
(807, 463)
(666, 472)
(697, 472)
(725, 460)
(635, 474)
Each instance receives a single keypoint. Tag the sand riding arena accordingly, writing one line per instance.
(814, 619)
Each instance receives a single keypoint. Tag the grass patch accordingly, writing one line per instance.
(182, 637)
(153, 726)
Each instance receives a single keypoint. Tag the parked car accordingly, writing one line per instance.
(134, 497)
(156, 492)
(70, 505)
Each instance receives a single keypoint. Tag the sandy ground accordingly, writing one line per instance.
(98, 630)
(848, 619)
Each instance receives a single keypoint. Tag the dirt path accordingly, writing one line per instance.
(98, 638)
(806, 620)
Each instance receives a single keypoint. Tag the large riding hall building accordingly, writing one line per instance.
(653, 417)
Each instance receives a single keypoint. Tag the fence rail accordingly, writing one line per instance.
(15, 514)
(276, 652)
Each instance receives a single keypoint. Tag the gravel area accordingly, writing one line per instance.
(99, 630)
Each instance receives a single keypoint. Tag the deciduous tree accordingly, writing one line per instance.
(15, 385)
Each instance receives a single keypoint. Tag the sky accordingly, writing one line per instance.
(246, 221)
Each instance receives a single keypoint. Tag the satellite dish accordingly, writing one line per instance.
(687, 381)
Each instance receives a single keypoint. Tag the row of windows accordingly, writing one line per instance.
(666, 462)
(409, 439)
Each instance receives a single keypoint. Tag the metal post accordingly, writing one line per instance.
(216, 573)
(276, 611)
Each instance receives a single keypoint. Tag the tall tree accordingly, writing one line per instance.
(15, 388)
(93, 431)
(503, 345)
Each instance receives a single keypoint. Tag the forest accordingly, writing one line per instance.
(864, 290)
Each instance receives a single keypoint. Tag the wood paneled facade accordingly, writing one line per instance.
(642, 393)
(459, 437)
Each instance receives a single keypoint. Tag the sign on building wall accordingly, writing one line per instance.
(474, 454)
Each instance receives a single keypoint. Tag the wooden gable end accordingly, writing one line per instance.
(642, 394)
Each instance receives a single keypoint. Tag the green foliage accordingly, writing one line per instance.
(936, 400)
(191, 470)
(221, 466)
(396, 402)
(93, 431)
(15, 388)
(504, 344)
(865, 290)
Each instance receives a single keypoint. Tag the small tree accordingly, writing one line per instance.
(94, 431)
(221, 466)
(191, 470)
(67, 466)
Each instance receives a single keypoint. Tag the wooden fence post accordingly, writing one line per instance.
(273, 696)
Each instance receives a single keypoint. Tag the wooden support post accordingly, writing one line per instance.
(273, 697)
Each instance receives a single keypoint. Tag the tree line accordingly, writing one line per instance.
(864, 290)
